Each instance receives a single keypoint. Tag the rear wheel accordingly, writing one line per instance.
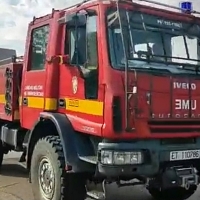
(172, 194)
(48, 177)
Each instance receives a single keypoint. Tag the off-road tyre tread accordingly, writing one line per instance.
(172, 194)
(72, 186)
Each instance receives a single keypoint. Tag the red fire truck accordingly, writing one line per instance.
(107, 91)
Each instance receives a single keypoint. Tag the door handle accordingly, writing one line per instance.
(25, 101)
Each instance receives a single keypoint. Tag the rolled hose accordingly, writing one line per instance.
(8, 97)
(8, 73)
(8, 91)
(8, 85)
(8, 109)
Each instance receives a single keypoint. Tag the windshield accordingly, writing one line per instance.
(151, 39)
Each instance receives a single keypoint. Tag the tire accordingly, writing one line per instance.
(172, 194)
(48, 154)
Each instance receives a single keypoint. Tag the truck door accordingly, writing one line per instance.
(34, 75)
(92, 79)
(86, 56)
(86, 72)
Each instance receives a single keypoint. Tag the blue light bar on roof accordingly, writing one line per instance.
(186, 7)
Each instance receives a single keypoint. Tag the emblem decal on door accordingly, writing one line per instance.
(74, 84)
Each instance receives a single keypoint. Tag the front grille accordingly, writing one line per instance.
(174, 126)
(177, 141)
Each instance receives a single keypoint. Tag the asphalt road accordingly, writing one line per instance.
(14, 185)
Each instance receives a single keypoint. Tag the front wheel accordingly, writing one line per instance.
(48, 177)
(172, 194)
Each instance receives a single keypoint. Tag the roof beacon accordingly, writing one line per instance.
(186, 7)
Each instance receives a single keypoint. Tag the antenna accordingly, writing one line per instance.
(185, 7)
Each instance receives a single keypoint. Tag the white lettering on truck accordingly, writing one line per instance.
(182, 104)
(184, 86)
(169, 23)
(34, 90)
(169, 115)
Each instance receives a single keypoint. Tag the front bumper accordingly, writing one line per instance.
(156, 157)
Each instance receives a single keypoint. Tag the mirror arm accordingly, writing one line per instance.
(81, 72)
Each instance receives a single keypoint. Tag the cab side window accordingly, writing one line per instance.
(91, 83)
(38, 47)
(92, 42)
(83, 53)
(78, 55)
(83, 44)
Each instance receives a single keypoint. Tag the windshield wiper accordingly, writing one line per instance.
(187, 66)
(170, 67)
(175, 57)
(150, 69)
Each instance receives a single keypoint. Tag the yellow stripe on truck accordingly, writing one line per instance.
(42, 103)
(35, 102)
(85, 106)
(76, 105)
(2, 98)
(50, 104)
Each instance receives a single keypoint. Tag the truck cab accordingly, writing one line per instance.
(147, 70)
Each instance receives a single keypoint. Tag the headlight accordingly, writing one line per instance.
(121, 158)
(107, 157)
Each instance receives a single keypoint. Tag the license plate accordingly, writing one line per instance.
(184, 155)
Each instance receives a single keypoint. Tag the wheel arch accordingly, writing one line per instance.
(59, 125)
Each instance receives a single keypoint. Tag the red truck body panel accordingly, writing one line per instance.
(10, 84)
(95, 117)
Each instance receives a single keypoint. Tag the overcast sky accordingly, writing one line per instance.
(16, 14)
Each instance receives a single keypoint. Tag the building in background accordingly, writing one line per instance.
(6, 53)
